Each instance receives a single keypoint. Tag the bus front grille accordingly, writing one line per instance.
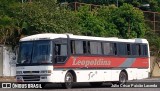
(31, 78)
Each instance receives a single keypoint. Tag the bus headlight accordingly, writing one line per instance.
(19, 78)
(45, 71)
(43, 77)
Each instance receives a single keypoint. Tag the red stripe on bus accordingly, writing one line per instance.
(100, 62)
(141, 63)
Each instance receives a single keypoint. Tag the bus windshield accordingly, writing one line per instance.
(35, 52)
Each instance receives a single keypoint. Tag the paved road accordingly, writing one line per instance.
(87, 87)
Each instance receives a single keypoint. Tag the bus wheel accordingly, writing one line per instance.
(43, 85)
(122, 78)
(96, 84)
(68, 81)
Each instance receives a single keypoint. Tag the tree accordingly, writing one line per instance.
(129, 21)
(104, 14)
(41, 16)
(8, 28)
(89, 23)
(154, 41)
(46, 16)
(155, 5)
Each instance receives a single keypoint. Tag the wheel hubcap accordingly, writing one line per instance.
(68, 80)
(123, 78)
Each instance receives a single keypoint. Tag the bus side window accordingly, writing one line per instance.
(72, 43)
(84, 47)
(57, 49)
(78, 47)
(139, 50)
(88, 47)
(122, 49)
(95, 48)
(128, 49)
(108, 49)
(60, 51)
(135, 49)
(144, 50)
(115, 48)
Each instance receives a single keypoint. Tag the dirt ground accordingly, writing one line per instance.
(155, 68)
(7, 79)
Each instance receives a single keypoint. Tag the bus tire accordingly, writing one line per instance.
(43, 85)
(123, 78)
(68, 81)
(96, 84)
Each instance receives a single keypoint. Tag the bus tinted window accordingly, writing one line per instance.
(108, 48)
(84, 47)
(41, 52)
(78, 47)
(95, 48)
(60, 51)
(72, 43)
(128, 49)
(25, 52)
(115, 48)
(135, 49)
(144, 50)
(121, 47)
(88, 48)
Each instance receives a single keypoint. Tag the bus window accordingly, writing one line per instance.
(122, 49)
(84, 47)
(78, 47)
(95, 48)
(128, 49)
(114, 48)
(144, 50)
(25, 52)
(88, 47)
(60, 51)
(135, 49)
(42, 52)
(108, 48)
(72, 44)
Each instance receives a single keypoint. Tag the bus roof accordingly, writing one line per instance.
(55, 36)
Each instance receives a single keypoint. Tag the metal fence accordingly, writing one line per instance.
(152, 20)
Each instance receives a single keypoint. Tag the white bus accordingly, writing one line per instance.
(68, 58)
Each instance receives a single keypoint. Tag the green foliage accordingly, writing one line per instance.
(105, 16)
(89, 23)
(18, 19)
(125, 21)
(8, 28)
(154, 5)
(154, 41)
(47, 16)
(43, 16)
(129, 21)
